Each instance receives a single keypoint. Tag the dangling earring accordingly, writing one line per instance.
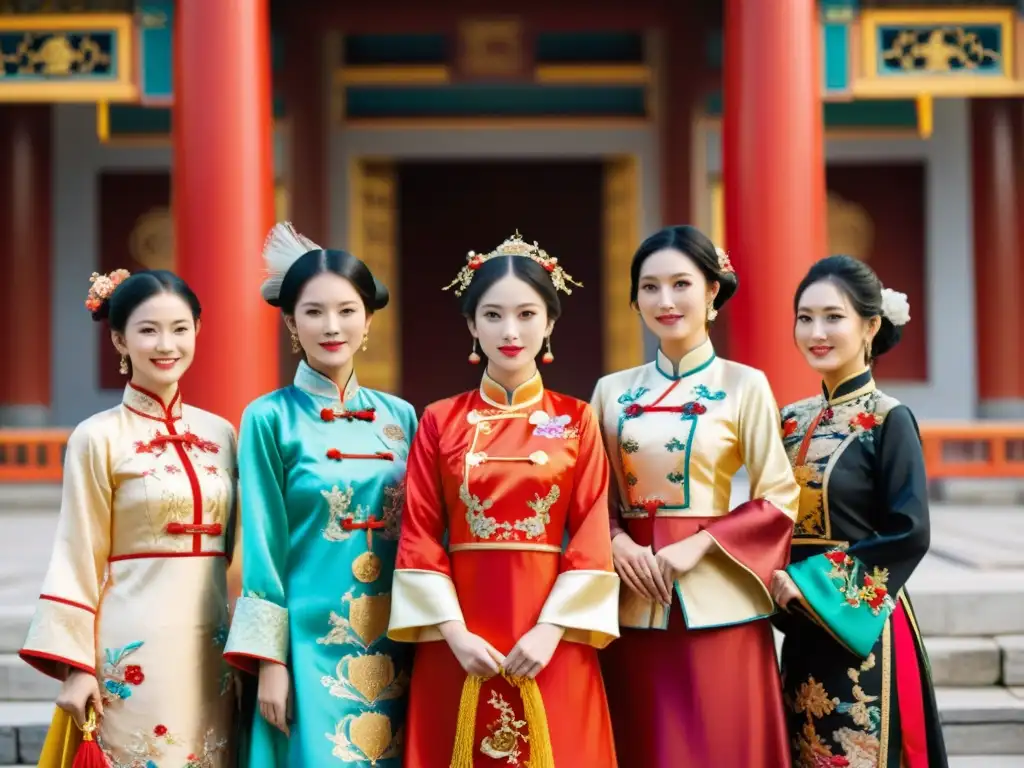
(366, 340)
(123, 367)
(712, 312)
(548, 356)
(474, 358)
(296, 347)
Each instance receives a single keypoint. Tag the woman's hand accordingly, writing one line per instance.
(533, 651)
(80, 689)
(272, 695)
(784, 590)
(682, 557)
(637, 567)
(476, 655)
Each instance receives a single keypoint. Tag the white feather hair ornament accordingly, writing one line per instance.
(282, 248)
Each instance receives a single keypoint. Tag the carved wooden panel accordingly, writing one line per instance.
(623, 332)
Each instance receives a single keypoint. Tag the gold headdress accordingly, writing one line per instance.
(282, 248)
(513, 246)
(102, 286)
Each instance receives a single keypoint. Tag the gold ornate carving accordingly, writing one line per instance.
(491, 48)
(55, 56)
(850, 228)
(940, 49)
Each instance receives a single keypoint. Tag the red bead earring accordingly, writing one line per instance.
(548, 356)
(474, 358)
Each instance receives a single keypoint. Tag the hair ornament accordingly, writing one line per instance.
(513, 246)
(282, 248)
(724, 263)
(102, 286)
(895, 307)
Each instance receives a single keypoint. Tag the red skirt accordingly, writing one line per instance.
(709, 697)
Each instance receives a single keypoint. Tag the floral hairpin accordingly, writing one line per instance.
(724, 263)
(895, 307)
(513, 246)
(102, 286)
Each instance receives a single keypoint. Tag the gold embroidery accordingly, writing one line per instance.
(484, 527)
(506, 733)
(366, 622)
(394, 503)
(174, 508)
(366, 679)
(535, 526)
(338, 509)
(366, 568)
(365, 738)
(394, 432)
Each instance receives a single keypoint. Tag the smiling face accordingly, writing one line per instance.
(830, 333)
(160, 340)
(330, 320)
(673, 296)
(511, 323)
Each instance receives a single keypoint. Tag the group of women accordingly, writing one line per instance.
(516, 577)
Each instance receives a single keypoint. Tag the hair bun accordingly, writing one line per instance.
(381, 295)
(100, 291)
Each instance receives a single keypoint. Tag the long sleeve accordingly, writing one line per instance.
(585, 597)
(730, 584)
(259, 627)
(423, 594)
(850, 592)
(62, 630)
(615, 524)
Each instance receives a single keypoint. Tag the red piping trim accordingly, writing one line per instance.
(65, 601)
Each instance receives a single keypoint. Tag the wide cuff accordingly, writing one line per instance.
(61, 637)
(730, 584)
(259, 632)
(420, 601)
(849, 600)
(586, 605)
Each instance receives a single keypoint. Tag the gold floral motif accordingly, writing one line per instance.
(940, 49)
(365, 738)
(812, 699)
(394, 503)
(55, 56)
(483, 526)
(366, 622)
(394, 432)
(506, 733)
(339, 508)
(174, 508)
(366, 679)
(366, 568)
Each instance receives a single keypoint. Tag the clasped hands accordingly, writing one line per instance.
(478, 657)
(651, 574)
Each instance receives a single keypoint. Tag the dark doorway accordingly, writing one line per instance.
(449, 208)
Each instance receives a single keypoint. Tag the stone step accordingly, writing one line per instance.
(14, 621)
(964, 661)
(954, 601)
(21, 683)
(23, 727)
(987, 721)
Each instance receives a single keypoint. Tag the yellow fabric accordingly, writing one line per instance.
(420, 601)
(62, 741)
(541, 755)
(585, 605)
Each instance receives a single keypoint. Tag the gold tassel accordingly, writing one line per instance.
(536, 718)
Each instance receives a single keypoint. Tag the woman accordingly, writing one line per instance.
(322, 471)
(697, 684)
(855, 672)
(504, 554)
(133, 613)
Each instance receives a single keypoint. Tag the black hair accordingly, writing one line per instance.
(374, 294)
(693, 243)
(139, 288)
(859, 283)
(522, 267)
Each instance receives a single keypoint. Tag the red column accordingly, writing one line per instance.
(998, 197)
(774, 170)
(223, 195)
(25, 239)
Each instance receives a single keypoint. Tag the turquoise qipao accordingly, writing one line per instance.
(322, 483)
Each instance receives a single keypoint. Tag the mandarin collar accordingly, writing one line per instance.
(145, 403)
(314, 383)
(850, 388)
(526, 394)
(695, 360)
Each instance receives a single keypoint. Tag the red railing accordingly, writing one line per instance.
(951, 450)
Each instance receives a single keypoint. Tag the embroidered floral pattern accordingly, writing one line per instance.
(484, 526)
(507, 733)
(869, 589)
(339, 509)
(552, 428)
(630, 445)
(366, 622)
(394, 502)
(118, 678)
(394, 432)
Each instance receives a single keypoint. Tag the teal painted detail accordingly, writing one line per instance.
(21, 57)
(686, 618)
(836, 43)
(590, 48)
(869, 113)
(970, 51)
(155, 49)
(473, 100)
(682, 479)
(690, 372)
(626, 399)
(845, 596)
(362, 50)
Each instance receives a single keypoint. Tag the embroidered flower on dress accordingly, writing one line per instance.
(789, 426)
(160, 730)
(864, 421)
(633, 410)
(552, 428)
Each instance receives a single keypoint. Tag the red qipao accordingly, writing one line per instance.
(505, 526)
(697, 684)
